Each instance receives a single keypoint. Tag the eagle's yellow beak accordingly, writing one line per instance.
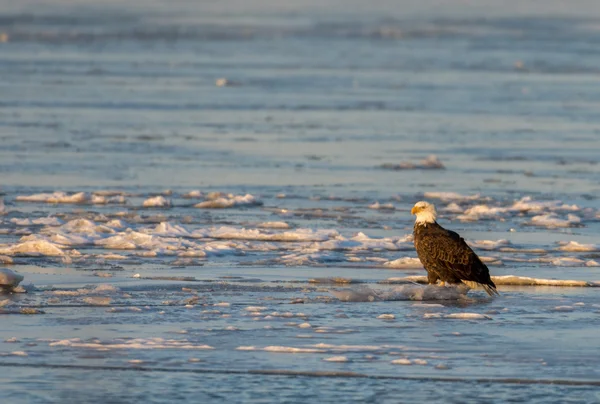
(414, 210)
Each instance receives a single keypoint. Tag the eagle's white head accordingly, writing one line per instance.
(425, 212)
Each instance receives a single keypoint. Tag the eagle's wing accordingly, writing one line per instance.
(451, 252)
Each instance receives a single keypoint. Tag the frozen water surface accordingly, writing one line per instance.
(210, 202)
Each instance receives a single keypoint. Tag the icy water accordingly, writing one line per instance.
(211, 201)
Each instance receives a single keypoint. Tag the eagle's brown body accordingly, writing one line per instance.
(447, 257)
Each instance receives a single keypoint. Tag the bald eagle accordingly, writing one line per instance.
(444, 254)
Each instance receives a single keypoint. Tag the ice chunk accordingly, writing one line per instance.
(431, 162)
(489, 244)
(336, 359)
(229, 201)
(157, 202)
(266, 235)
(526, 281)
(134, 343)
(9, 278)
(452, 208)
(468, 316)
(34, 247)
(478, 212)
(527, 204)
(404, 292)
(193, 194)
(6, 260)
(401, 361)
(574, 246)
(568, 262)
(281, 349)
(274, 225)
(385, 206)
(47, 221)
(56, 197)
(404, 262)
(255, 308)
(171, 230)
(552, 220)
(97, 300)
(451, 196)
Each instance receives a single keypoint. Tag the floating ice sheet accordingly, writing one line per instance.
(404, 292)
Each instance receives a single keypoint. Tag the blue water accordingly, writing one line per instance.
(306, 106)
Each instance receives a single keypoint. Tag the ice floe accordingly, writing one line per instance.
(157, 202)
(452, 196)
(281, 349)
(60, 197)
(489, 244)
(458, 316)
(552, 220)
(33, 245)
(574, 246)
(401, 361)
(273, 225)
(404, 263)
(229, 201)
(404, 292)
(9, 279)
(527, 281)
(336, 359)
(44, 221)
(134, 343)
(382, 206)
